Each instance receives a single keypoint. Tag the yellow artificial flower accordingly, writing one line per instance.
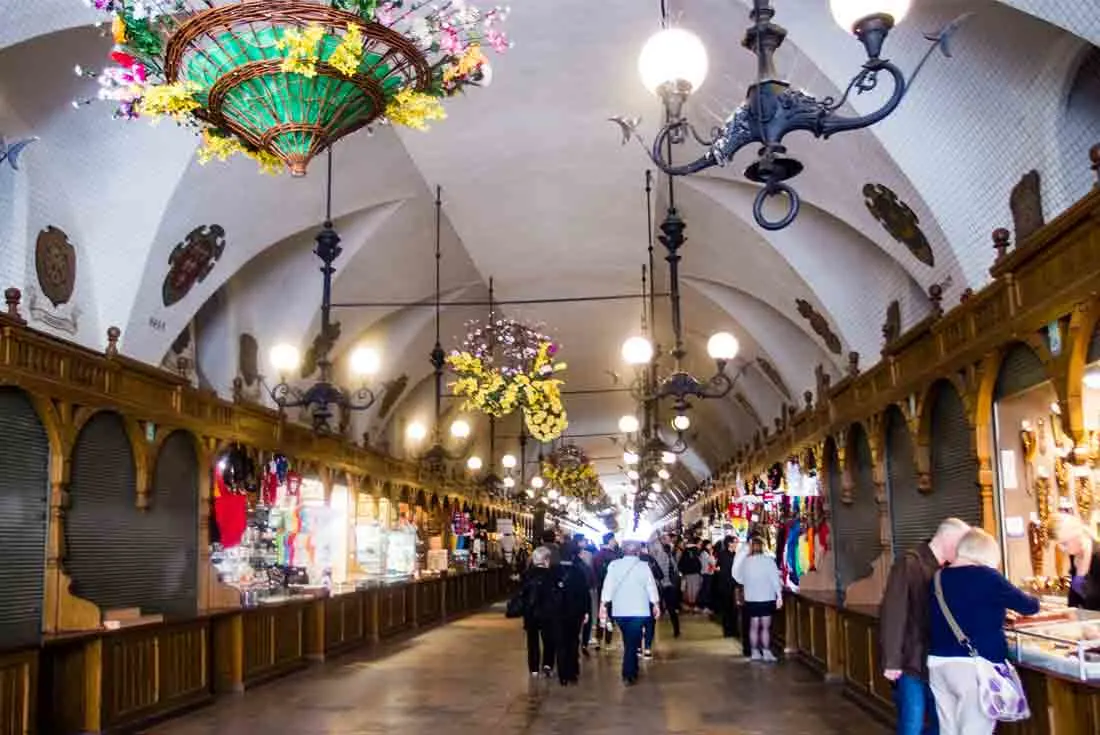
(217, 147)
(349, 54)
(176, 100)
(301, 49)
(414, 109)
(466, 65)
(118, 29)
(269, 163)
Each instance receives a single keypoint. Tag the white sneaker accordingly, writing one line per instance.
(770, 657)
(756, 656)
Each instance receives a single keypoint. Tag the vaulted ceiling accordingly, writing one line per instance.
(539, 195)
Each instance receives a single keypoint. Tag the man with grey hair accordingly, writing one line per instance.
(631, 592)
(904, 627)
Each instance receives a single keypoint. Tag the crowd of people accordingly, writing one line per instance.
(574, 596)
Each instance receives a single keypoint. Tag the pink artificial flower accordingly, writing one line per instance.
(497, 40)
(385, 14)
(449, 42)
(122, 58)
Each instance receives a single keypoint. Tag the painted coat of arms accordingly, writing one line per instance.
(192, 260)
(55, 263)
(899, 220)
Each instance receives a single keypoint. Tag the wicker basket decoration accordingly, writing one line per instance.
(282, 80)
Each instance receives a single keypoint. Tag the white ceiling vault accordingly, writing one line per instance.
(539, 195)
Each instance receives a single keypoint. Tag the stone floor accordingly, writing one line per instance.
(470, 677)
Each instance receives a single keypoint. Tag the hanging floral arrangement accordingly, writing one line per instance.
(503, 366)
(572, 473)
(282, 80)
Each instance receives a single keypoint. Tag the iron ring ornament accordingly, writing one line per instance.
(773, 109)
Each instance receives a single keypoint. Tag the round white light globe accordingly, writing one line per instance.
(668, 457)
(681, 422)
(655, 487)
(628, 424)
(630, 458)
(673, 55)
(473, 464)
(508, 461)
(552, 494)
(849, 12)
(416, 431)
(366, 361)
(633, 475)
(285, 358)
(537, 482)
(637, 351)
(508, 482)
(530, 493)
(723, 346)
(1092, 379)
(663, 474)
(460, 429)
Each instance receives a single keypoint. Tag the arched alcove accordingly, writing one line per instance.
(954, 466)
(24, 503)
(174, 516)
(913, 515)
(856, 524)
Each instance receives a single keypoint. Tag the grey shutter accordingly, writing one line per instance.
(954, 466)
(1094, 347)
(856, 525)
(24, 488)
(913, 514)
(834, 477)
(174, 519)
(1021, 369)
(105, 551)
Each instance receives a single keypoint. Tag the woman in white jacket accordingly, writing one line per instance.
(759, 575)
(631, 592)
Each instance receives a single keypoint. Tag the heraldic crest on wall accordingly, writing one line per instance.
(819, 324)
(55, 268)
(899, 220)
(192, 260)
(773, 375)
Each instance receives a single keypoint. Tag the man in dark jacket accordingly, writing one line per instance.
(608, 553)
(903, 627)
(723, 587)
(573, 602)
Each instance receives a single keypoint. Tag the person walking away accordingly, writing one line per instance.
(691, 569)
(1076, 540)
(669, 581)
(722, 589)
(709, 563)
(538, 613)
(631, 593)
(978, 598)
(549, 541)
(741, 613)
(649, 632)
(763, 596)
(904, 631)
(572, 603)
(587, 561)
(608, 553)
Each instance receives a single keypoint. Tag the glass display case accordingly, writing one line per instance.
(1064, 642)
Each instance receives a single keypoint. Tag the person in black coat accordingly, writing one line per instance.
(724, 604)
(572, 603)
(539, 614)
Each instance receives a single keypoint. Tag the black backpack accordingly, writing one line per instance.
(690, 563)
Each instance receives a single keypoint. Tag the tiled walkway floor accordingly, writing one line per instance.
(470, 677)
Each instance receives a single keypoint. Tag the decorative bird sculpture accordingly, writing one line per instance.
(628, 125)
(10, 153)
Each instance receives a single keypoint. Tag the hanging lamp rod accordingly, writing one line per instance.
(495, 302)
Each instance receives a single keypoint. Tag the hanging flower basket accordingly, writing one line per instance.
(504, 365)
(282, 80)
(572, 473)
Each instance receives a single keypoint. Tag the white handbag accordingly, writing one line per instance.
(1000, 691)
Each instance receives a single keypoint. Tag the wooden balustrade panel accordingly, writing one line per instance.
(184, 671)
(393, 609)
(259, 642)
(805, 629)
(820, 648)
(289, 632)
(355, 629)
(18, 692)
(335, 635)
(63, 703)
(857, 654)
(130, 682)
(429, 601)
(273, 641)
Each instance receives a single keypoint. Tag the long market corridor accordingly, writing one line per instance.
(470, 677)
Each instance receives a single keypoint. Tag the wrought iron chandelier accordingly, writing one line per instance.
(325, 397)
(673, 64)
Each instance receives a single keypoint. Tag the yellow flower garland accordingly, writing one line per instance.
(414, 109)
(176, 100)
(579, 481)
(349, 54)
(301, 49)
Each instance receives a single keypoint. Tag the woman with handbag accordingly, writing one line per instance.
(974, 684)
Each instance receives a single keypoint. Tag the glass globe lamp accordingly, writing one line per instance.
(663, 474)
(365, 361)
(850, 13)
(637, 351)
(508, 461)
(723, 347)
(681, 422)
(628, 424)
(473, 464)
(537, 482)
(673, 59)
(416, 431)
(285, 358)
(668, 458)
(460, 429)
(630, 458)
(508, 482)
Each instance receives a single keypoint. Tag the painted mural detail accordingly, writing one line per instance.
(747, 407)
(191, 261)
(891, 328)
(394, 389)
(899, 220)
(773, 375)
(180, 358)
(248, 369)
(820, 325)
(1026, 203)
(55, 268)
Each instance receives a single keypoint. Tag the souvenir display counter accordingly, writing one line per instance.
(90, 683)
(1061, 676)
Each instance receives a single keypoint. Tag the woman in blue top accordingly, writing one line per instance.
(978, 596)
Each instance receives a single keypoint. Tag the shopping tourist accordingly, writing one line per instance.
(587, 556)
(723, 586)
(630, 598)
(1076, 540)
(975, 596)
(741, 613)
(691, 569)
(668, 581)
(708, 563)
(538, 613)
(608, 553)
(903, 627)
(571, 605)
(763, 596)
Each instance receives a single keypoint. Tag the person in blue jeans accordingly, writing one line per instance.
(904, 627)
(630, 591)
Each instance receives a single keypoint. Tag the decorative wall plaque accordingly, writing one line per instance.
(899, 220)
(394, 389)
(248, 367)
(773, 375)
(748, 408)
(180, 358)
(891, 328)
(55, 264)
(192, 260)
(820, 325)
(1026, 203)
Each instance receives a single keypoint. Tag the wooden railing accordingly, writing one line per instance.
(112, 680)
(842, 644)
